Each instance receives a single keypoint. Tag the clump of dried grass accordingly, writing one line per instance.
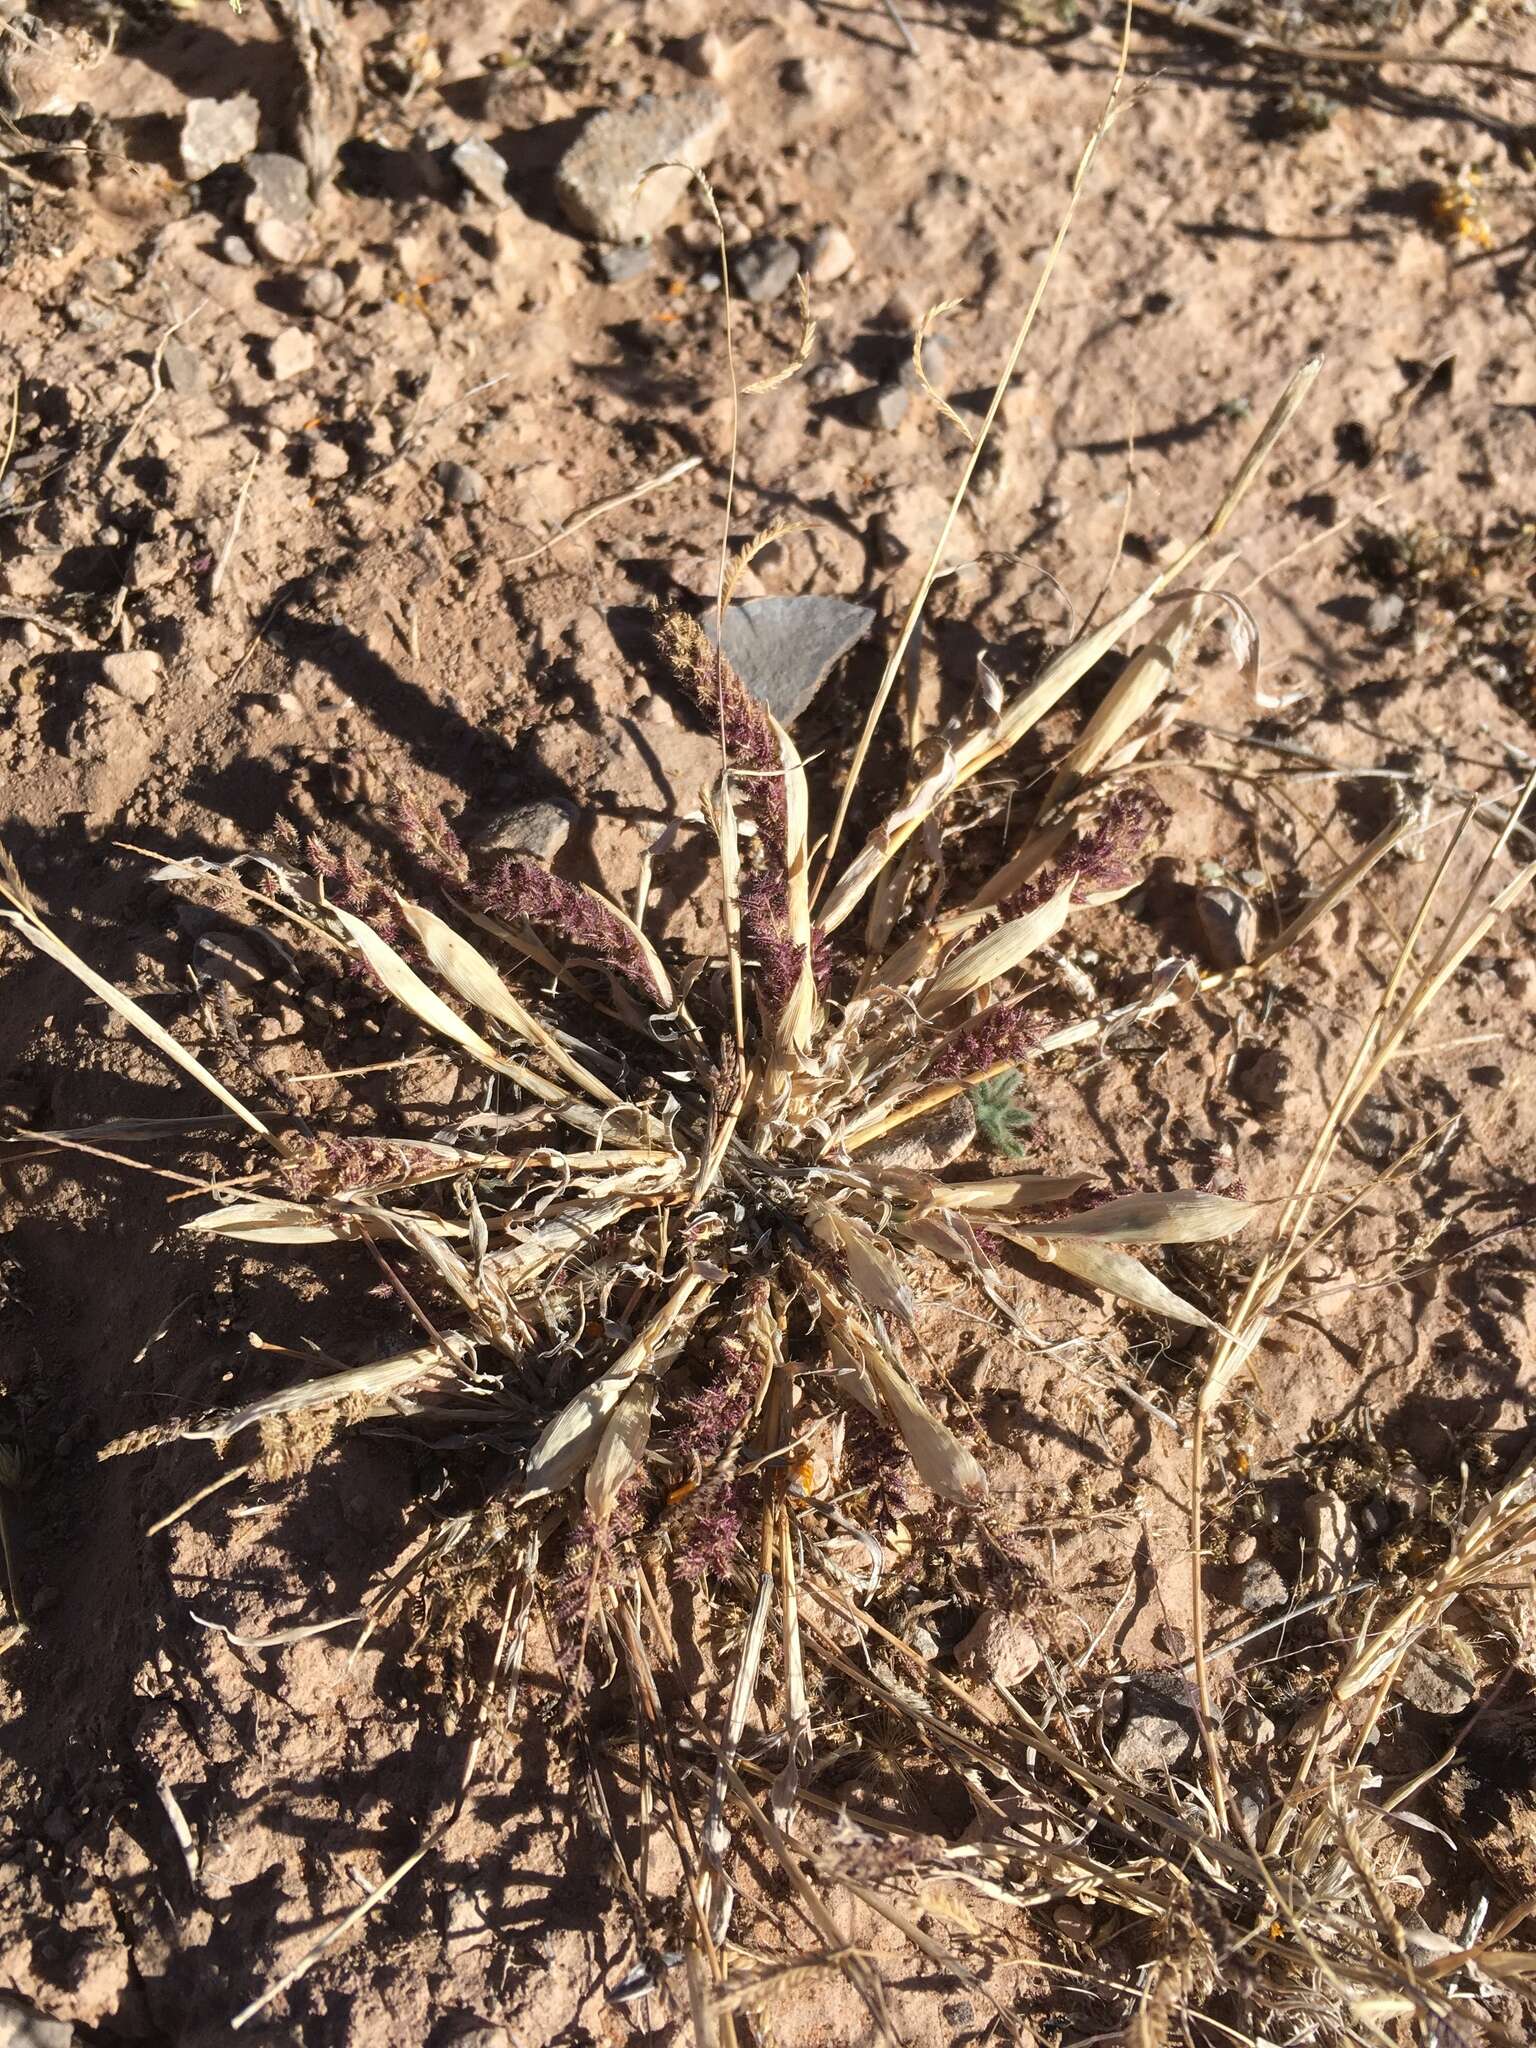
(666, 1304)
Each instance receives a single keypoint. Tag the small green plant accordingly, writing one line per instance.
(1001, 1118)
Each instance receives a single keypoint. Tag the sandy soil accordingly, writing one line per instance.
(365, 638)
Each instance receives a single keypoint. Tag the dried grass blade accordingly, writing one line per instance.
(1182, 1216)
(797, 1023)
(1150, 670)
(942, 1461)
(802, 355)
(569, 1440)
(470, 975)
(999, 953)
(44, 941)
(875, 1276)
(271, 1222)
(1011, 1191)
(425, 1366)
(427, 1006)
(620, 1453)
(1119, 1274)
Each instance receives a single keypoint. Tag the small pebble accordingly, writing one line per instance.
(1229, 926)
(216, 132)
(290, 353)
(279, 188)
(182, 369)
(135, 676)
(460, 484)
(483, 169)
(1242, 1547)
(618, 262)
(235, 249)
(831, 255)
(1520, 978)
(837, 379)
(1260, 1588)
(765, 268)
(884, 406)
(322, 292)
(1000, 1647)
(281, 241)
(106, 274)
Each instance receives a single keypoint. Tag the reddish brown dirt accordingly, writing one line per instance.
(368, 639)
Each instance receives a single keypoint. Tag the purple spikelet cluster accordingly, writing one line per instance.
(1109, 856)
(710, 1518)
(519, 887)
(426, 833)
(348, 884)
(338, 1165)
(1001, 1035)
(772, 954)
(728, 706)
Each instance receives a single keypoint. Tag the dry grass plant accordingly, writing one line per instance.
(665, 1291)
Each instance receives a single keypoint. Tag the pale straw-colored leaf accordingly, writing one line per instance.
(1119, 1274)
(872, 1272)
(569, 1440)
(1150, 671)
(999, 953)
(620, 1451)
(470, 975)
(941, 1460)
(1010, 1191)
(427, 1365)
(797, 1022)
(402, 981)
(1182, 1216)
(265, 1221)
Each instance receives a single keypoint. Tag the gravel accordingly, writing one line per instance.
(215, 132)
(765, 269)
(460, 484)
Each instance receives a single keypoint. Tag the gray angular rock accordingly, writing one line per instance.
(540, 829)
(182, 368)
(461, 485)
(483, 169)
(784, 647)
(884, 406)
(215, 132)
(765, 269)
(1439, 1676)
(1229, 926)
(1259, 1589)
(279, 188)
(23, 2026)
(1160, 1725)
(597, 181)
(618, 263)
(928, 1143)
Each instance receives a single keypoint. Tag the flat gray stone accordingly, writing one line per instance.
(483, 169)
(279, 188)
(539, 828)
(215, 132)
(597, 181)
(928, 1144)
(784, 647)
(765, 269)
(23, 2026)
